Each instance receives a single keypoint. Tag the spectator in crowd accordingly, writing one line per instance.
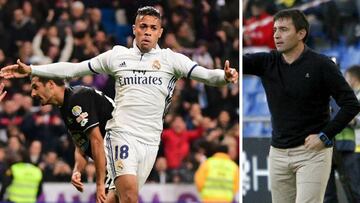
(185, 35)
(346, 153)
(202, 56)
(39, 125)
(352, 76)
(177, 140)
(3, 163)
(62, 171)
(90, 173)
(95, 24)
(62, 23)
(26, 52)
(194, 117)
(65, 149)
(224, 120)
(10, 115)
(22, 29)
(259, 28)
(160, 173)
(35, 152)
(14, 131)
(187, 169)
(22, 181)
(83, 44)
(48, 48)
(77, 11)
(217, 179)
(27, 105)
(101, 41)
(48, 166)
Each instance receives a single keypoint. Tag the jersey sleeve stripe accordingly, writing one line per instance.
(91, 69)
(192, 68)
(93, 125)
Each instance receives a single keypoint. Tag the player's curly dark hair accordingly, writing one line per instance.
(58, 82)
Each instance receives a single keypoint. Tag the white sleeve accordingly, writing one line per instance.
(213, 77)
(101, 63)
(61, 70)
(185, 67)
(95, 65)
(182, 64)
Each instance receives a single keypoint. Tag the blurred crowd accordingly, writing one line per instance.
(42, 32)
(331, 21)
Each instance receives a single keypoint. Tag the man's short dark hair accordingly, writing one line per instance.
(354, 71)
(148, 11)
(43, 80)
(298, 17)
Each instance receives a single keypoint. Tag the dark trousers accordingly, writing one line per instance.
(347, 165)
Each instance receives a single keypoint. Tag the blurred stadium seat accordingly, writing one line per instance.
(259, 106)
(122, 32)
(350, 57)
(247, 103)
(252, 129)
(108, 20)
(251, 84)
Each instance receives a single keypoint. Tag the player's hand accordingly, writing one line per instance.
(76, 181)
(313, 142)
(231, 75)
(18, 70)
(100, 193)
(2, 93)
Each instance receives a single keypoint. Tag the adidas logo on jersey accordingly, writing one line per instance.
(123, 64)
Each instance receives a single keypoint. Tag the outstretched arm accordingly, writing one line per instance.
(98, 64)
(54, 70)
(98, 154)
(215, 77)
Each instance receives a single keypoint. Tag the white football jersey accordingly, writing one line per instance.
(144, 85)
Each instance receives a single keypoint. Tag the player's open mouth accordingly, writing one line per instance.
(145, 41)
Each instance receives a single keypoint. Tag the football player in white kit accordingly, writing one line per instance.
(145, 79)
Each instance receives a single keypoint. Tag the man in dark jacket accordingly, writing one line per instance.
(298, 83)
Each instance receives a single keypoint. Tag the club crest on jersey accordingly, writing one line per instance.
(156, 65)
(119, 165)
(76, 110)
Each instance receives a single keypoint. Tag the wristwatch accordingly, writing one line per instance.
(325, 140)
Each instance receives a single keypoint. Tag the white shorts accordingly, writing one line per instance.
(125, 155)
